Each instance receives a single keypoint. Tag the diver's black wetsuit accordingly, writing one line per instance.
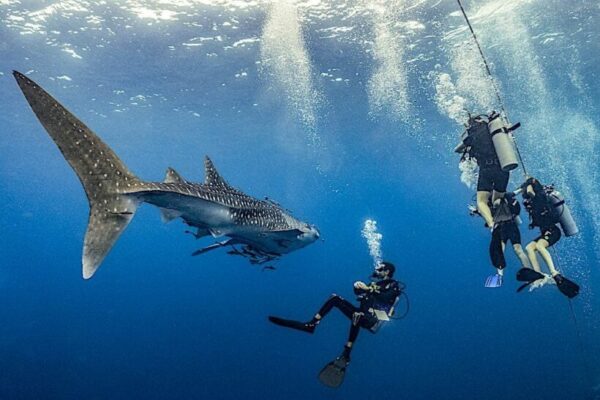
(505, 228)
(542, 213)
(382, 297)
(491, 175)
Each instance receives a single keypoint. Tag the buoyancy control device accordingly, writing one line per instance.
(488, 137)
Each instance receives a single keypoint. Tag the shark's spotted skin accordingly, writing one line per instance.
(215, 208)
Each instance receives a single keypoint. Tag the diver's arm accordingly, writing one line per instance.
(515, 207)
(361, 287)
(530, 192)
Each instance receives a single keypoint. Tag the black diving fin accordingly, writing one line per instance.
(288, 323)
(528, 276)
(566, 287)
(332, 375)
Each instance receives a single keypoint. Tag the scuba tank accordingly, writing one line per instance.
(503, 142)
(565, 218)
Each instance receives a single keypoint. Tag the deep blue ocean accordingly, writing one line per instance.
(341, 111)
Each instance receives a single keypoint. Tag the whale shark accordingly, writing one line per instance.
(260, 230)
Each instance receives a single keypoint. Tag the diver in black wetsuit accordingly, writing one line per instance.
(506, 213)
(543, 214)
(492, 181)
(378, 296)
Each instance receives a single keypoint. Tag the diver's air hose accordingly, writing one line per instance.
(407, 307)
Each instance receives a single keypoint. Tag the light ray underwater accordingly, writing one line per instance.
(436, 228)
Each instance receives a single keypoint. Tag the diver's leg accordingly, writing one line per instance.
(352, 335)
(483, 208)
(347, 308)
(497, 195)
(501, 270)
(334, 301)
(531, 249)
(542, 247)
(500, 179)
(522, 256)
(496, 254)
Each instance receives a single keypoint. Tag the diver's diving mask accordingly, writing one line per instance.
(379, 272)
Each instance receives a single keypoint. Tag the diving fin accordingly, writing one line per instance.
(566, 287)
(529, 275)
(332, 375)
(288, 323)
(493, 281)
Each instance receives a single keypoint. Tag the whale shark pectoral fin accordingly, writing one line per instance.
(104, 228)
(167, 215)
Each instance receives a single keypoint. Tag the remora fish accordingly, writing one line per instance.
(262, 228)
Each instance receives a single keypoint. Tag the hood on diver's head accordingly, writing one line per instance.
(475, 119)
(384, 269)
(535, 184)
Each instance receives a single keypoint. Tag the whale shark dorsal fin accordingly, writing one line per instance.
(212, 176)
(173, 176)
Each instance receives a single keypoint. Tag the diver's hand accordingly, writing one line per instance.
(360, 285)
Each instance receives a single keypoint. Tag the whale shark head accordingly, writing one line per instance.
(309, 234)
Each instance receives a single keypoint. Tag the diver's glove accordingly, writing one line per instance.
(361, 288)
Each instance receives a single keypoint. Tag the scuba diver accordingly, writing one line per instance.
(544, 214)
(506, 212)
(377, 301)
(487, 141)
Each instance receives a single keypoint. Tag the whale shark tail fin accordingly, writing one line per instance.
(103, 175)
(103, 230)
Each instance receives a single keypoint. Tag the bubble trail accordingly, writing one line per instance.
(286, 61)
(369, 232)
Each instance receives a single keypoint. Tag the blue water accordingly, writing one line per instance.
(340, 111)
